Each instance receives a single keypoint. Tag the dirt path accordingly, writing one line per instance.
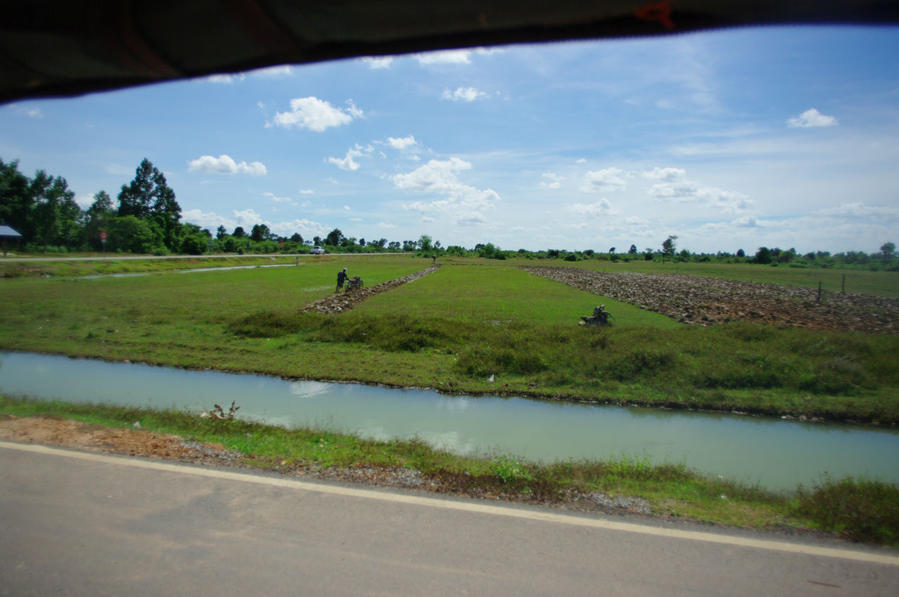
(707, 301)
(52, 431)
(343, 301)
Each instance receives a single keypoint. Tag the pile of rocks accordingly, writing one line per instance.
(706, 301)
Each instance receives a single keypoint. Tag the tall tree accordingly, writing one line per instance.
(56, 215)
(97, 217)
(16, 201)
(334, 237)
(148, 197)
(260, 233)
(668, 246)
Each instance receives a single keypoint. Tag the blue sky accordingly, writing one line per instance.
(732, 139)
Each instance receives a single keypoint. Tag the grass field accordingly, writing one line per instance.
(455, 330)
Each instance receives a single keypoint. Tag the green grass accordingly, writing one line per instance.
(862, 511)
(452, 331)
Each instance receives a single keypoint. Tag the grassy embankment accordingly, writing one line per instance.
(452, 331)
(856, 509)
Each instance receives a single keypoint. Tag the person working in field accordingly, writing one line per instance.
(341, 278)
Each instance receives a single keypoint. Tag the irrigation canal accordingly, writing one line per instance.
(774, 453)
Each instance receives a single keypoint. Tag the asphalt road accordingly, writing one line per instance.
(74, 523)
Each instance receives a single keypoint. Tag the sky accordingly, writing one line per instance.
(775, 136)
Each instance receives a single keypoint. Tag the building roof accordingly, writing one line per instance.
(7, 232)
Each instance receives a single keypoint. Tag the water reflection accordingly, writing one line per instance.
(776, 454)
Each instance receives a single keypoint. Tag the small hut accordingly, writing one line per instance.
(7, 233)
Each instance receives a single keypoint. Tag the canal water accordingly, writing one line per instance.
(773, 453)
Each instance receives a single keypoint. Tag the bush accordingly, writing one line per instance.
(481, 362)
(641, 362)
(858, 509)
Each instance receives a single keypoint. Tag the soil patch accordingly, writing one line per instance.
(348, 299)
(706, 301)
(136, 442)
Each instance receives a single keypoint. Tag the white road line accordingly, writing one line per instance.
(464, 506)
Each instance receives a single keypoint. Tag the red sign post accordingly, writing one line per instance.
(103, 239)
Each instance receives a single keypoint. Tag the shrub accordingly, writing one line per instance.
(860, 510)
(640, 362)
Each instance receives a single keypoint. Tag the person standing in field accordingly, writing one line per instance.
(341, 278)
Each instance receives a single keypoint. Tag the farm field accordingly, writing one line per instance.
(473, 326)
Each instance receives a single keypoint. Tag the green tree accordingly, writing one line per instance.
(260, 232)
(134, 235)
(221, 233)
(239, 232)
(194, 240)
(668, 246)
(97, 218)
(148, 196)
(16, 201)
(56, 215)
(763, 255)
(334, 238)
(632, 250)
(888, 250)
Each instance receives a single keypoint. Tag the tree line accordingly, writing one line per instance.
(146, 219)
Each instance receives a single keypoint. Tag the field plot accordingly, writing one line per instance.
(704, 301)
(473, 326)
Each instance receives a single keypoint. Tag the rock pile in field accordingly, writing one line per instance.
(706, 301)
(347, 300)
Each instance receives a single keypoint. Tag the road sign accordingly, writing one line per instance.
(103, 236)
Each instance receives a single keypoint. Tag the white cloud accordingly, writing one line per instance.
(226, 78)
(598, 208)
(206, 219)
(247, 217)
(348, 163)
(462, 202)
(551, 180)
(608, 179)
(811, 119)
(463, 94)
(386, 225)
(378, 62)
(307, 192)
(665, 174)
(860, 210)
(316, 115)
(746, 222)
(85, 201)
(581, 161)
(401, 142)
(273, 71)
(277, 199)
(444, 57)
(225, 164)
(686, 191)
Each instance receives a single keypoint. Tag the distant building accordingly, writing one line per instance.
(7, 234)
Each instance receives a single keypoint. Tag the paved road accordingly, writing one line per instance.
(73, 523)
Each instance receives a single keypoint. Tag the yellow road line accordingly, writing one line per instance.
(467, 506)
